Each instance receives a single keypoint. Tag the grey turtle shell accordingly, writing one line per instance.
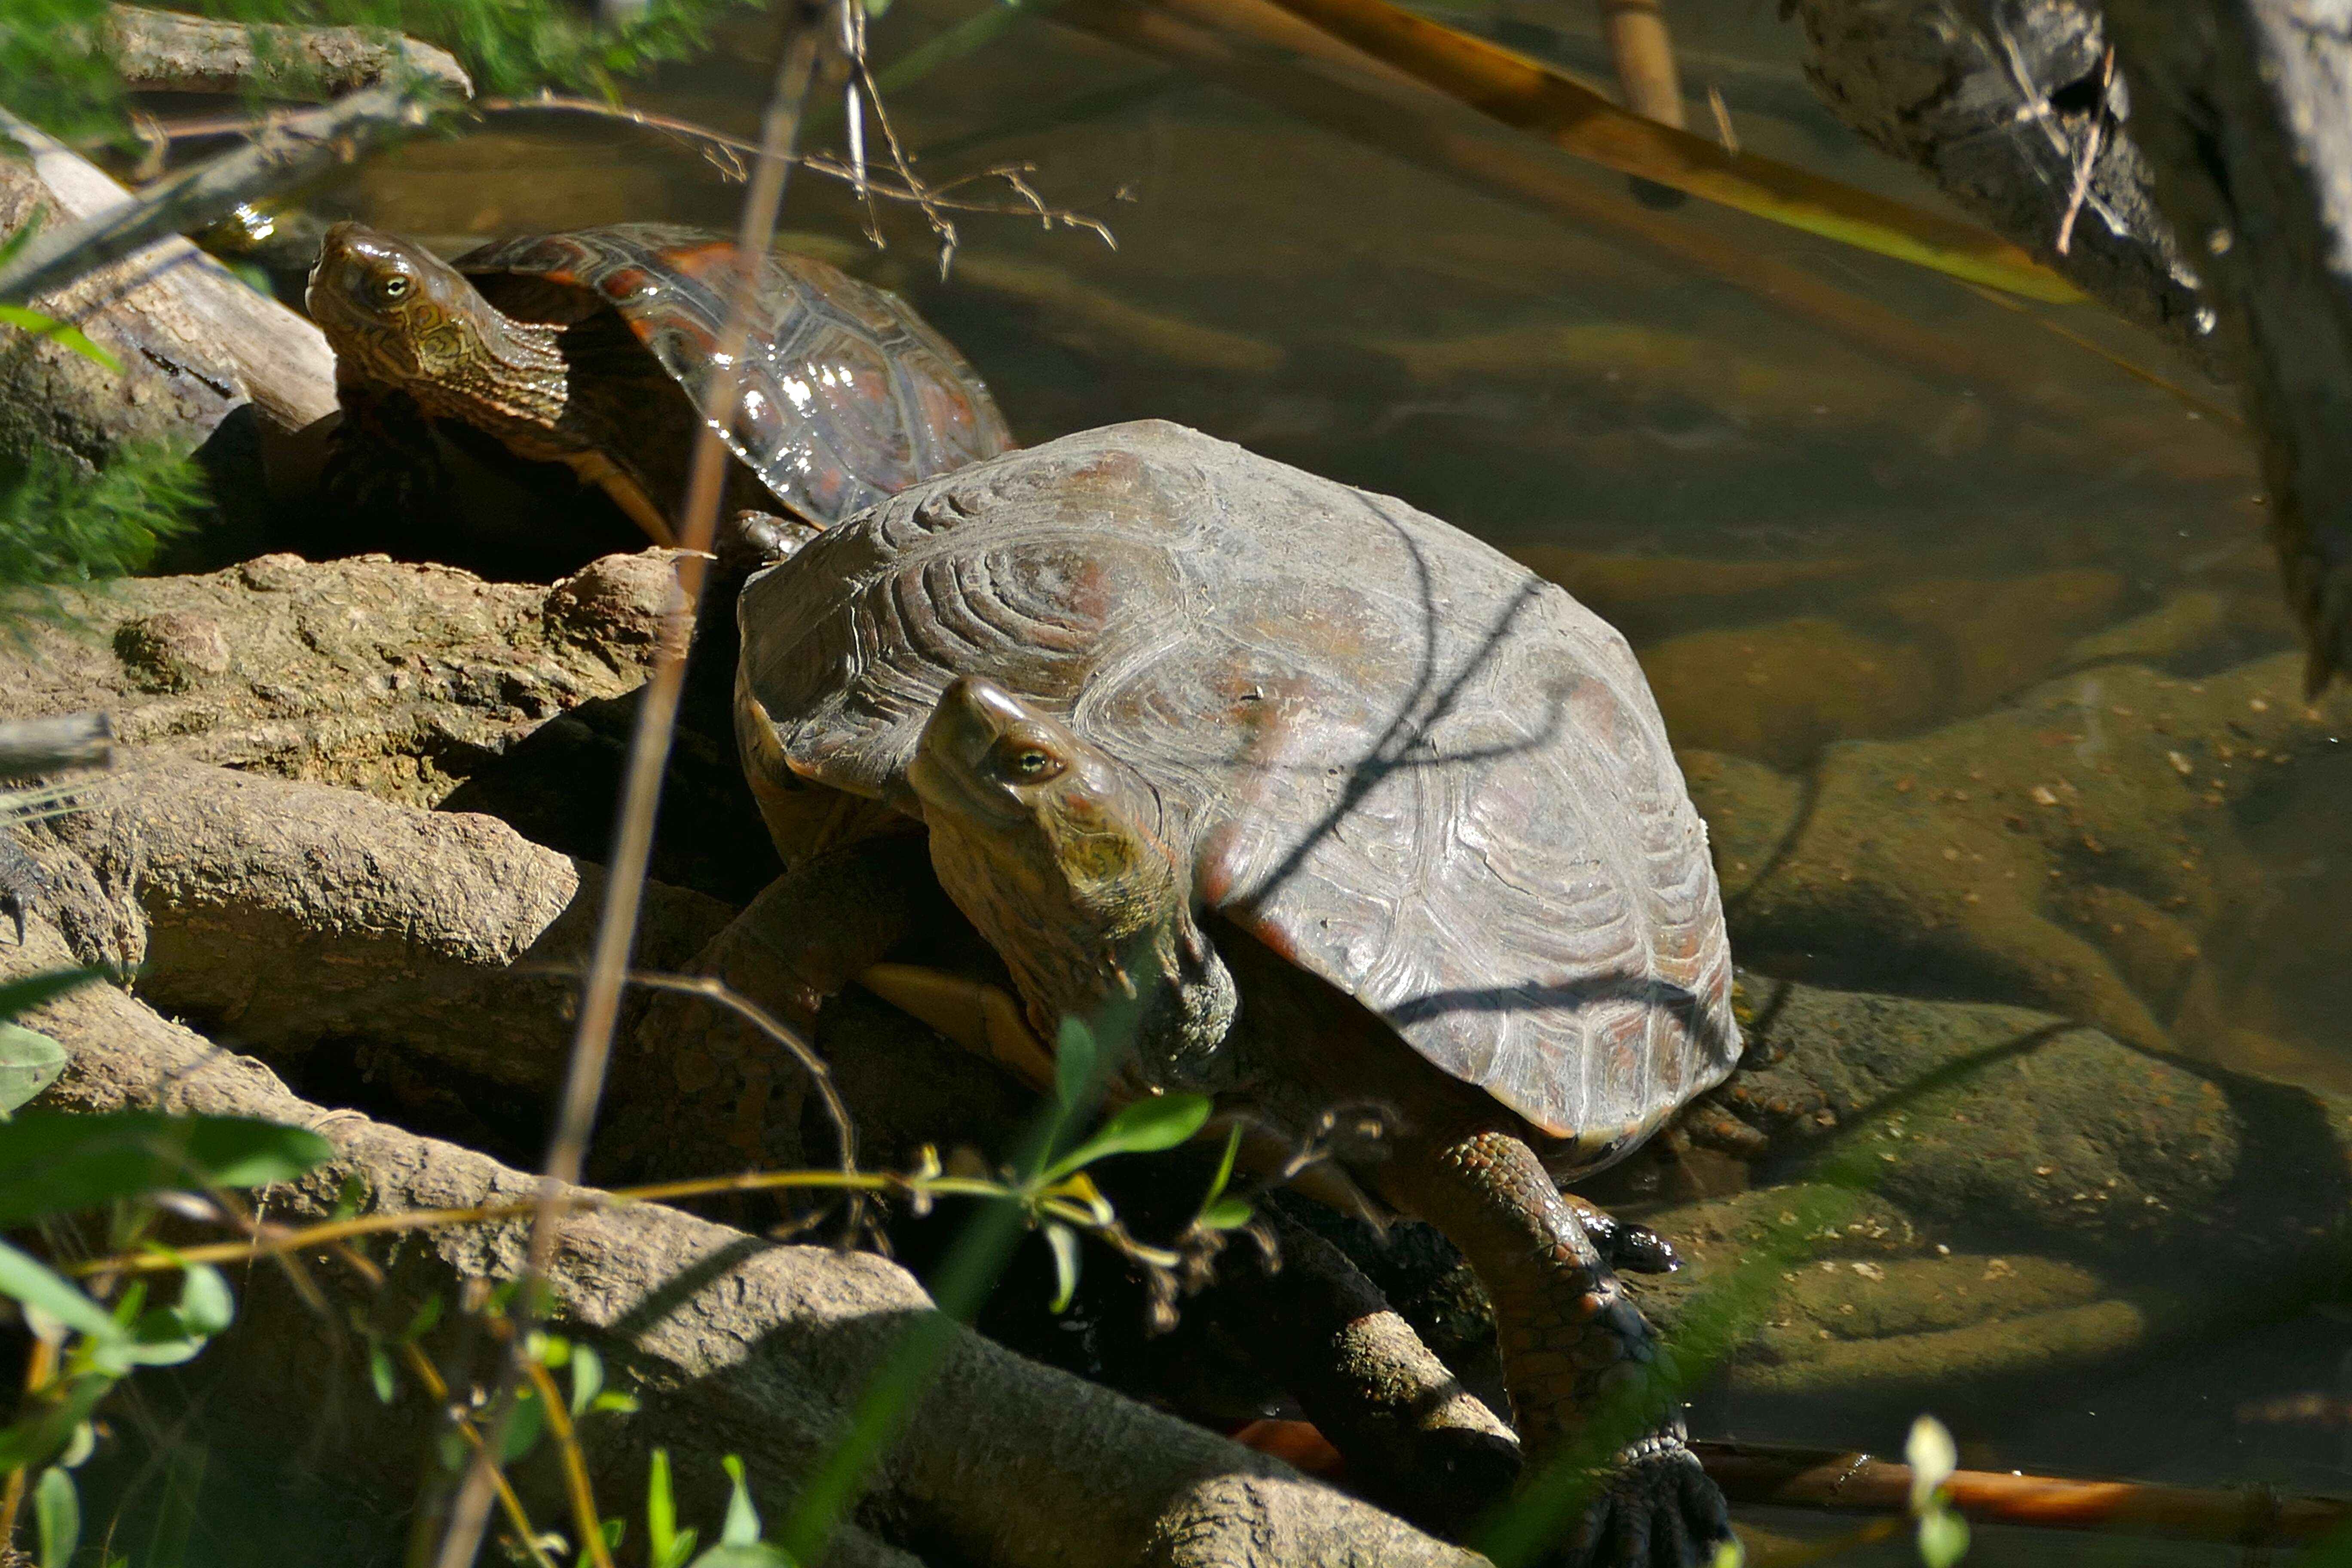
(1394, 755)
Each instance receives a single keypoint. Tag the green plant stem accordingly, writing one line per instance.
(518, 1519)
(576, 1485)
(40, 1367)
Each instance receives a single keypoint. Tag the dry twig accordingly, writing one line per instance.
(2089, 156)
(289, 151)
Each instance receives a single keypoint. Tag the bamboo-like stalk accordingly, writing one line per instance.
(1838, 1479)
(518, 1519)
(1259, 49)
(1642, 51)
(1529, 95)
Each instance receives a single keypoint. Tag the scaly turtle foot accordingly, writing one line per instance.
(1574, 1348)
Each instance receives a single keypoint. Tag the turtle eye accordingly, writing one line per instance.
(1025, 762)
(395, 288)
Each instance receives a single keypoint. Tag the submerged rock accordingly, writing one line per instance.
(2079, 851)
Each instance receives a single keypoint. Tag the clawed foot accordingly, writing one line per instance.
(23, 884)
(1659, 1511)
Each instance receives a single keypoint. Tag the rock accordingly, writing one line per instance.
(1780, 692)
(401, 679)
(2075, 850)
(171, 650)
(1990, 1127)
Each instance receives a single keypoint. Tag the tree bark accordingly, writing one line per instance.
(2006, 106)
(2245, 110)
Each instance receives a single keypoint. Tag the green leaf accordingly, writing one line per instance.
(79, 1446)
(1730, 1555)
(587, 1378)
(612, 1530)
(206, 1304)
(662, 1536)
(30, 1281)
(1074, 1065)
(1144, 1127)
(423, 1323)
(1932, 1456)
(57, 1508)
(743, 1526)
(1225, 1214)
(351, 1197)
(613, 1399)
(1224, 1168)
(51, 1424)
(524, 1427)
(381, 1372)
(52, 1163)
(757, 1555)
(1943, 1538)
(42, 326)
(1064, 1244)
(24, 996)
(170, 1335)
(29, 1062)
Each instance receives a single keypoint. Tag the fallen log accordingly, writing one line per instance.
(170, 51)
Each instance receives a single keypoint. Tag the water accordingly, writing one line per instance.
(1810, 543)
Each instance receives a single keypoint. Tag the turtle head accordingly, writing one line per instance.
(1052, 847)
(395, 312)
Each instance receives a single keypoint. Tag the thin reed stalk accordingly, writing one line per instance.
(649, 742)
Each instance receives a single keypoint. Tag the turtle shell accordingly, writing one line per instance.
(1393, 754)
(848, 395)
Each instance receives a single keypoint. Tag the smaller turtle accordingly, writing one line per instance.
(597, 349)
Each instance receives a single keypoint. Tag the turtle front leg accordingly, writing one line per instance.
(1572, 1343)
(697, 1089)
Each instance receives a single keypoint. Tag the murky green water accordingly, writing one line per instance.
(1967, 669)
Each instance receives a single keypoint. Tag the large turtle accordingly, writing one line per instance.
(596, 348)
(1354, 805)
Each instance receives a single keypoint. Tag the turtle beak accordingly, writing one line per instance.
(949, 769)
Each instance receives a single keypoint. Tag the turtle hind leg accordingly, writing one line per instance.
(1413, 1437)
(1575, 1349)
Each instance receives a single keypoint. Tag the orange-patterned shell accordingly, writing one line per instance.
(848, 395)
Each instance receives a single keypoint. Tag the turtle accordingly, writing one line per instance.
(596, 348)
(1336, 802)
